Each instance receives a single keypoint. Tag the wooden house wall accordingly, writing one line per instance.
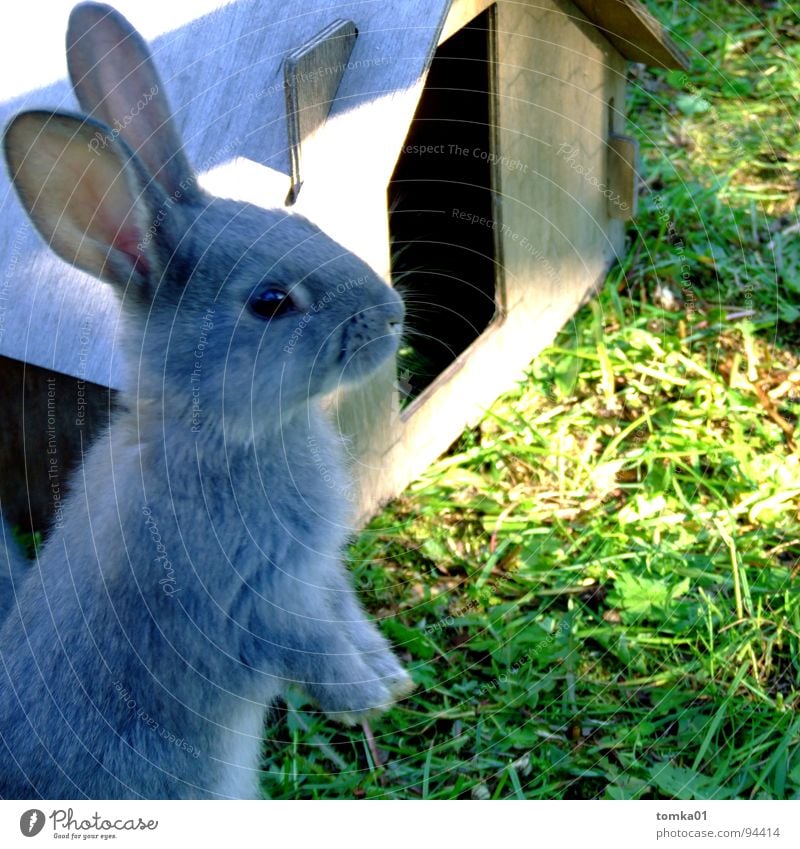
(557, 82)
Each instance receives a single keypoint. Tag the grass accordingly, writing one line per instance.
(597, 588)
(595, 600)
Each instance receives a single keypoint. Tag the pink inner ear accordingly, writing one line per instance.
(114, 220)
(129, 241)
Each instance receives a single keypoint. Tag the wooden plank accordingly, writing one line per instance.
(636, 34)
(460, 14)
(558, 82)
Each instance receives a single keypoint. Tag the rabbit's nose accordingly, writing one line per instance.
(395, 324)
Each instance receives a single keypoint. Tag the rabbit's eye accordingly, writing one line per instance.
(270, 303)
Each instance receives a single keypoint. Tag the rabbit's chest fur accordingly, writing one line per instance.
(179, 567)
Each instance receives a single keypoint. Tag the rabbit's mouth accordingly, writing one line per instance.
(361, 353)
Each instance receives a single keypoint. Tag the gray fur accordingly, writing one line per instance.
(195, 570)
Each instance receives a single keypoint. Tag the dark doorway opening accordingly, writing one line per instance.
(441, 211)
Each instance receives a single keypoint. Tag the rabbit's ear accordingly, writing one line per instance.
(116, 82)
(84, 192)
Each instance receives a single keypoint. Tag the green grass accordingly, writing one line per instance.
(596, 590)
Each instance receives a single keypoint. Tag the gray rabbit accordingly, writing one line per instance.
(194, 571)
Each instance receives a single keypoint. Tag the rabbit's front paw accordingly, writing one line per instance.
(367, 687)
(349, 703)
(388, 670)
(377, 654)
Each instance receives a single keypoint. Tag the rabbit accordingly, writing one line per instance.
(195, 570)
